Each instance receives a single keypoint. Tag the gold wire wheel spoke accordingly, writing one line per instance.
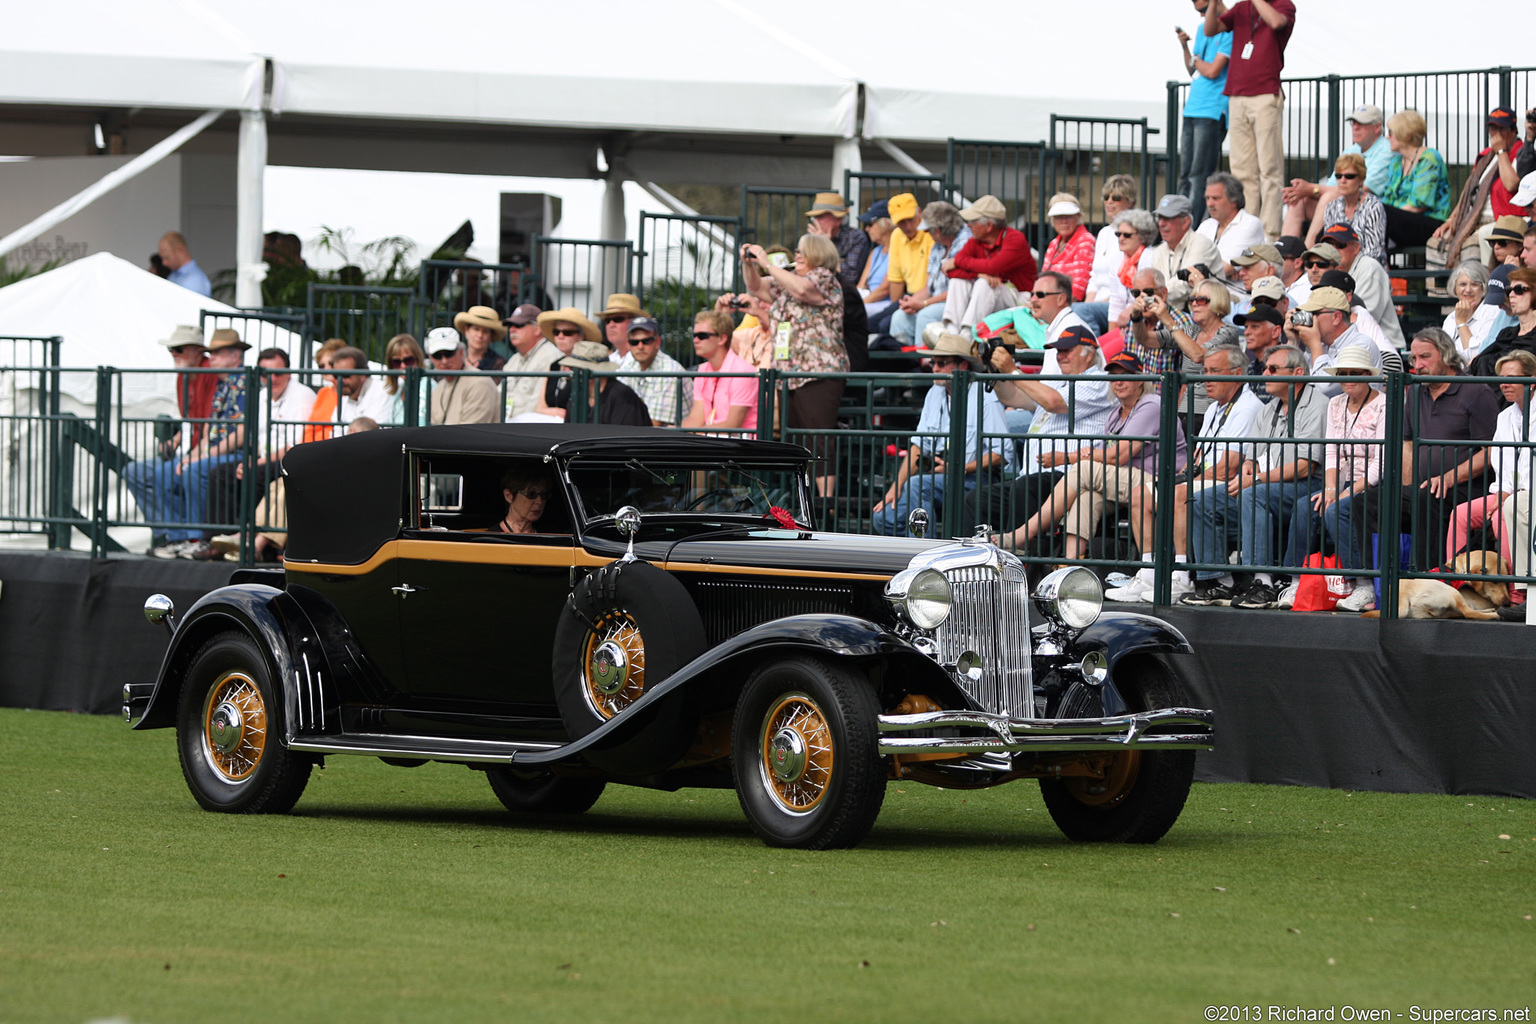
(798, 719)
(620, 628)
(235, 763)
(1119, 779)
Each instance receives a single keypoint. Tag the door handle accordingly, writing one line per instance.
(403, 590)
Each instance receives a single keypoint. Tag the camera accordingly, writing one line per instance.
(740, 304)
(1301, 318)
(986, 346)
(1183, 272)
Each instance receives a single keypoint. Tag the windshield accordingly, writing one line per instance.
(658, 487)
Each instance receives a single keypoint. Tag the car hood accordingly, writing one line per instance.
(795, 551)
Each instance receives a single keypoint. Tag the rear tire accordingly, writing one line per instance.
(229, 730)
(804, 748)
(1142, 792)
(533, 792)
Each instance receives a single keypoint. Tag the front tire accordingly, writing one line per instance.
(804, 748)
(229, 729)
(535, 792)
(1141, 793)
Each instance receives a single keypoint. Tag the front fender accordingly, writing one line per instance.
(274, 620)
(1118, 634)
(844, 636)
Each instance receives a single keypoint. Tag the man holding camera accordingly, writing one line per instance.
(1144, 334)
(1184, 257)
(1322, 326)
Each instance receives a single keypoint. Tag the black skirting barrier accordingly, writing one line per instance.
(1300, 699)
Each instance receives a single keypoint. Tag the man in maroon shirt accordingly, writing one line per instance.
(1260, 29)
(989, 271)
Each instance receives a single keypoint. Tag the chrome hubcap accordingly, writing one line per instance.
(786, 754)
(609, 670)
(227, 728)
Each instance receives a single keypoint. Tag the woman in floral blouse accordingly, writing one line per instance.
(805, 320)
(1418, 195)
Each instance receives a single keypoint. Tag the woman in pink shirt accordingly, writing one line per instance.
(721, 401)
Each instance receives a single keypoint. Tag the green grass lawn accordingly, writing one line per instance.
(409, 895)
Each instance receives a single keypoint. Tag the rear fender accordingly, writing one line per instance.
(288, 641)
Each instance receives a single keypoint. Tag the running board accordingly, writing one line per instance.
(429, 748)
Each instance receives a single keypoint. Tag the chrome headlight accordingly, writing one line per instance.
(1071, 597)
(921, 597)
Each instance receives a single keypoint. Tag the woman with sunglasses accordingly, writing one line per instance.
(526, 490)
(1520, 303)
(1357, 208)
(1134, 231)
(1194, 332)
(404, 354)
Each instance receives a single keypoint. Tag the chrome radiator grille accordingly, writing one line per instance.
(990, 616)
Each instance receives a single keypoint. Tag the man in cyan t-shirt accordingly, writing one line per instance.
(1255, 102)
(1205, 111)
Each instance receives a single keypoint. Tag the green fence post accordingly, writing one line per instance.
(1335, 118)
(104, 377)
(1506, 85)
(60, 495)
(1171, 117)
(410, 396)
(1167, 470)
(767, 385)
(250, 445)
(1389, 526)
(954, 451)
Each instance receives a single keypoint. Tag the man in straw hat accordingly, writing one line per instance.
(482, 327)
(614, 403)
(828, 216)
(982, 459)
(617, 315)
(194, 397)
(175, 490)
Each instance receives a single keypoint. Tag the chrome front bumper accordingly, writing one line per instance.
(1164, 729)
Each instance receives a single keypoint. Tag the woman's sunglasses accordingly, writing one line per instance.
(395, 364)
(1519, 289)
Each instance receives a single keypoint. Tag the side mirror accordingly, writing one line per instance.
(627, 519)
(161, 610)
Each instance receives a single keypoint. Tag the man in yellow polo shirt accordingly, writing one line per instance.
(909, 248)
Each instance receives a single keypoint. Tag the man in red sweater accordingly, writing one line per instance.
(1255, 102)
(989, 271)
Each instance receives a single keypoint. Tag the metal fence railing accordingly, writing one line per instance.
(861, 188)
(447, 287)
(29, 435)
(365, 317)
(774, 216)
(1014, 172)
(581, 272)
(1085, 152)
(128, 465)
(682, 265)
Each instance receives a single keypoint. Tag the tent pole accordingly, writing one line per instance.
(846, 156)
(250, 191)
(614, 228)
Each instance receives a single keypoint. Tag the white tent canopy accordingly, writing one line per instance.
(112, 313)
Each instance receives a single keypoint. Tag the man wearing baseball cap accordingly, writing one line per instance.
(456, 399)
(1372, 286)
(994, 252)
(1181, 249)
(532, 353)
(828, 216)
(642, 369)
(1331, 333)
(910, 245)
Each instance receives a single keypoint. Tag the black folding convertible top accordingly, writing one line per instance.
(346, 495)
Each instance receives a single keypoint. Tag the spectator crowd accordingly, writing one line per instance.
(1234, 274)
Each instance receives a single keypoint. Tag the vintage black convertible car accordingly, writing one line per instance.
(675, 622)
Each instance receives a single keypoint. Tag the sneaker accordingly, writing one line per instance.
(1255, 595)
(1363, 599)
(1181, 586)
(228, 544)
(171, 550)
(1287, 598)
(1118, 579)
(1208, 592)
(200, 551)
(1135, 589)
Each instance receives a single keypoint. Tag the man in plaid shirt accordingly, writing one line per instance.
(645, 358)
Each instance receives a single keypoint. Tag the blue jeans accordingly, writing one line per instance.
(1200, 142)
(167, 497)
(922, 490)
(1254, 518)
(1338, 524)
(1095, 315)
(907, 328)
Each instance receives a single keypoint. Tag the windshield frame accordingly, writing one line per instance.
(803, 512)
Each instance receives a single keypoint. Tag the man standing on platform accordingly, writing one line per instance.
(184, 269)
(828, 216)
(1260, 31)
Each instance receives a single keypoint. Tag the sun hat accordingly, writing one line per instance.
(1064, 204)
(226, 337)
(1353, 357)
(1507, 228)
(480, 316)
(621, 304)
(573, 315)
(441, 339)
(184, 334)
(958, 346)
(590, 355)
(828, 202)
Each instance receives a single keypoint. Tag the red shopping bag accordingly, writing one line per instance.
(1320, 593)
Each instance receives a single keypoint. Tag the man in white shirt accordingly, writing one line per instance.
(1293, 253)
(1231, 227)
(531, 353)
(361, 395)
(1051, 304)
(1181, 249)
